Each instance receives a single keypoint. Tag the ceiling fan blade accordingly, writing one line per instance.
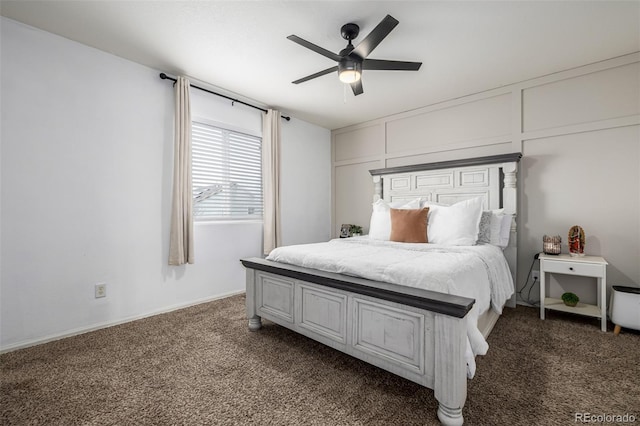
(315, 48)
(381, 64)
(374, 38)
(318, 74)
(357, 88)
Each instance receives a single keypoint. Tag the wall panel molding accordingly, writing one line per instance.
(583, 124)
(486, 118)
(613, 123)
(429, 133)
(474, 143)
(580, 71)
(350, 144)
(596, 96)
(359, 160)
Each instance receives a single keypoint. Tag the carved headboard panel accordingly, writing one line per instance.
(493, 178)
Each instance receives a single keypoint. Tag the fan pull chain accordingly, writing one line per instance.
(344, 93)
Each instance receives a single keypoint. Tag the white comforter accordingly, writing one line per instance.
(480, 272)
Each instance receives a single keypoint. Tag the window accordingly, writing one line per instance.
(226, 173)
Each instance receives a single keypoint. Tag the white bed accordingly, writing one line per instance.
(421, 311)
(479, 272)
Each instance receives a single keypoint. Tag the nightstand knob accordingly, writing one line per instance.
(571, 268)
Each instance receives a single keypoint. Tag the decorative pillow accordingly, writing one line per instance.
(455, 225)
(409, 226)
(380, 224)
(484, 228)
(489, 228)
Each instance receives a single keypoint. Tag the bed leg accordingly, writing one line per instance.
(255, 323)
(450, 416)
(450, 386)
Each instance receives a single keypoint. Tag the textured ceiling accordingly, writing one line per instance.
(241, 46)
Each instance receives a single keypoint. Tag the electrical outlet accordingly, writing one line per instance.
(535, 275)
(101, 290)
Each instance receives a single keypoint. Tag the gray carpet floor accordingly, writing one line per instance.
(200, 365)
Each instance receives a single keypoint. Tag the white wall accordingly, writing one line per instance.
(86, 159)
(579, 133)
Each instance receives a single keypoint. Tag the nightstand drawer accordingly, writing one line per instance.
(574, 268)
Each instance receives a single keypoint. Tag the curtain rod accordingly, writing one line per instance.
(166, 77)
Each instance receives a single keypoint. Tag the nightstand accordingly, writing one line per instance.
(586, 266)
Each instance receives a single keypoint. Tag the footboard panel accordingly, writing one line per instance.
(322, 312)
(391, 335)
(275, 297)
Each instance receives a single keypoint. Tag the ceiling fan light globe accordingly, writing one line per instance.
(349, 76)
(349, 71)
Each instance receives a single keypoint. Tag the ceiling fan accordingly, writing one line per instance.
(353, 60)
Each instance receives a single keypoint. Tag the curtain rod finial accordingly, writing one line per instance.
(163, 76)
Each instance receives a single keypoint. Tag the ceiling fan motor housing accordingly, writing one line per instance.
(349, 31)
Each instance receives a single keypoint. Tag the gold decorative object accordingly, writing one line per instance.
(576, 241)
(551, 245)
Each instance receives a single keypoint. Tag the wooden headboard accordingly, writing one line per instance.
(493, 178)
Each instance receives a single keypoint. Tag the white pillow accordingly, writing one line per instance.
(455, 225)
(380, 225)
(505, 231)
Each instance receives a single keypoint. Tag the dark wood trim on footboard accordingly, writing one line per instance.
(455, 306)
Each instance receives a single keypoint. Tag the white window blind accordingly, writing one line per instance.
(226, 173)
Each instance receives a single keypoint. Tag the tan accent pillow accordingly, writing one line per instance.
(409, 226)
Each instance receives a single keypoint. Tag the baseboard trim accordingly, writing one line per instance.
(487, 321)
(82, 330)
(523, 303)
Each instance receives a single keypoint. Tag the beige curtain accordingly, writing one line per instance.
(271, 179)
(181, 238)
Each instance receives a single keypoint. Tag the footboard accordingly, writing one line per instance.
(416, 334)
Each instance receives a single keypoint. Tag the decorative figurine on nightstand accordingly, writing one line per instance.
(576, 241)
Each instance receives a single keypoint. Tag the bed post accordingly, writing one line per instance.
(509, 191)
(510, 204)
(450, 384)
(255, 322)
(377, 188)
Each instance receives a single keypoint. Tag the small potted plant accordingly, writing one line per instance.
(355, 230)
(570, 299)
